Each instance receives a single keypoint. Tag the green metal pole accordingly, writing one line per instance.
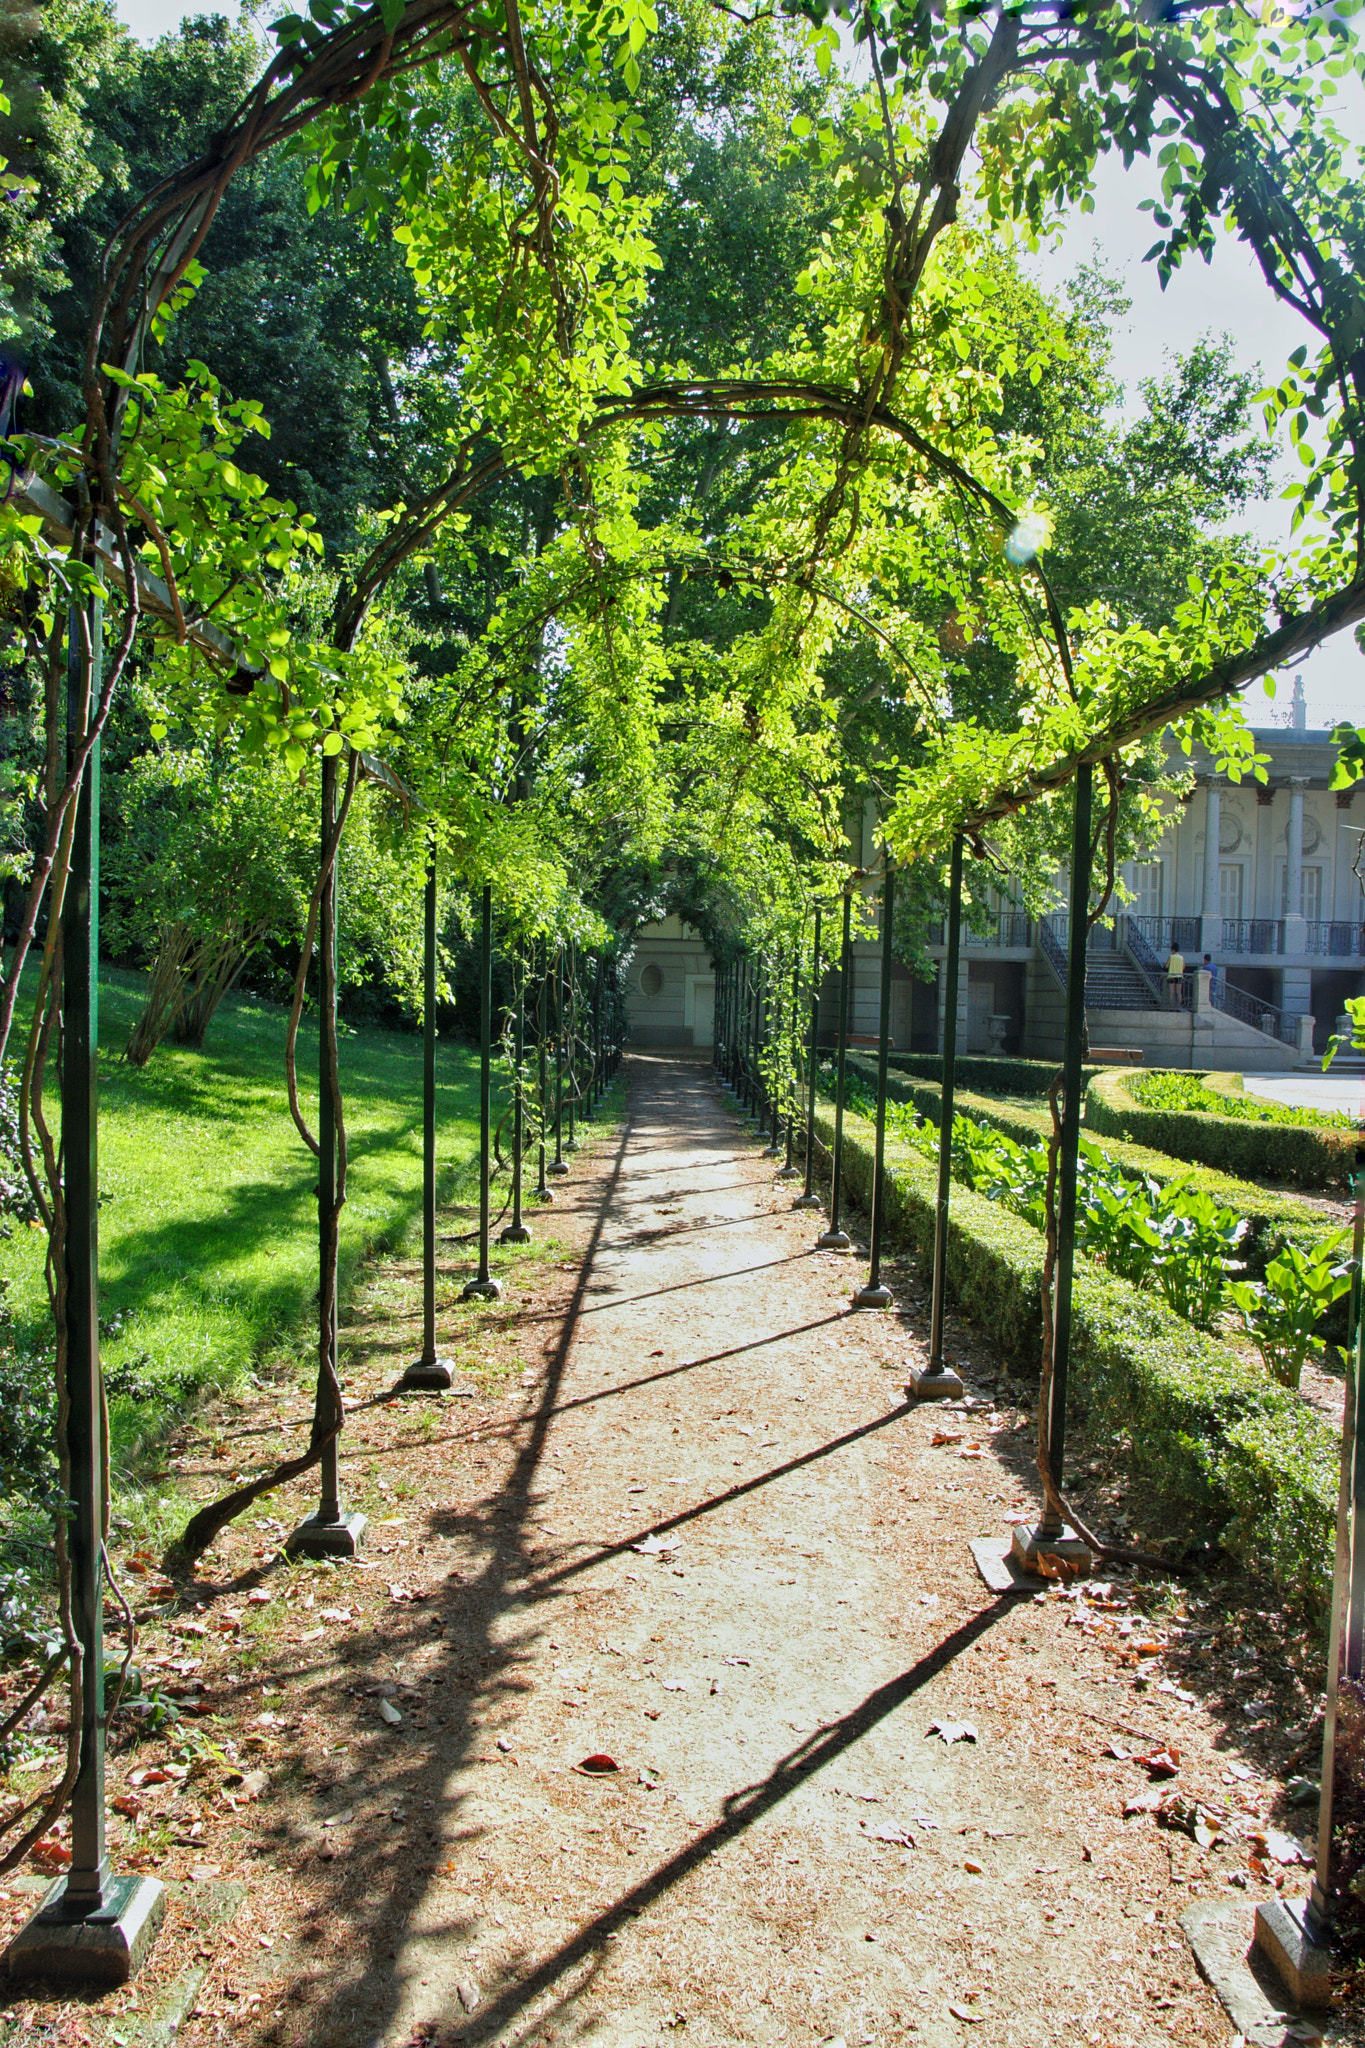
(483, 1286)
(874, 1295)
(808, 1199)
(516, 1231)
(429, 1371)
(935, 1381)
(542, 1084)
(836, 1239)
(558, 1164)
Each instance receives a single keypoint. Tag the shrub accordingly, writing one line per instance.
(1257, 1466)
(1309, 1157)
(1285, 1313)
(996, 1076)
(1192, 1091)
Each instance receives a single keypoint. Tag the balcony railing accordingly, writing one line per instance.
(1185, 934)
(1103, 938)
(1007, 928)
(1336, 938)
(1252, 935)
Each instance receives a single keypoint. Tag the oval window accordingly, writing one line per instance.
(651, 980)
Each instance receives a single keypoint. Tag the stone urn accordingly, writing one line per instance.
(998, 1030)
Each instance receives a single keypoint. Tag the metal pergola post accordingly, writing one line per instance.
(327, 1532)
(542, 1078)
(936, 1381)
(516, 1231)
(874, 1295)
(483, 1287)
(93, 1927)
(788, 1167)
(808, 1199)
(837, 1239)
(558, 1165)
(429, 1371)
(1048, 1533)
(571, 1142)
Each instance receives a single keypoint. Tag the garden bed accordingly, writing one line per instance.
(1307, 1156)
(1247, 1458)
(1272, 1219)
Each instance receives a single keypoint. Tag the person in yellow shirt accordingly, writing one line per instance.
(1175, 974)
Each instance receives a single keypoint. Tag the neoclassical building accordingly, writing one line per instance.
(1259, 876)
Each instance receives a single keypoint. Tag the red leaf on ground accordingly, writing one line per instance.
(598, 1762)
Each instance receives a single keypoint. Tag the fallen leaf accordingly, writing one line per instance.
(1142, 1802)
(970, 1863)
(889, 1831)
(1281, 1848)
(1119, 1750)
(259, 1597)
(340, 1820)
(947, 1436)
(127, 1805)
(334, 1614)
(202, 1873)
(735, 1660)
(673, 1684)
(388, 1712)
(254, 1784)
(1160, 1763)
(598, 1763)
(960, 2012)
(50, 1855)
(953, 1731)
(469, 1992)
(656, 1546)
(400, 1593)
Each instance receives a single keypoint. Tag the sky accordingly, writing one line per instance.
(1226, 296)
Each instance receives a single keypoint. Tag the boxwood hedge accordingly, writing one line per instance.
(1003, 1076)
(1307, 1158)
(1273, 1219)
(1256, 1465)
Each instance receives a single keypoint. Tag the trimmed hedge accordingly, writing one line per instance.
(996, 1076)
(1208, 1427)
(1273, 1219)
(1309, 1158)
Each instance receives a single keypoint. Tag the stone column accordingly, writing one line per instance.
(1211, 933)
(1293, 867)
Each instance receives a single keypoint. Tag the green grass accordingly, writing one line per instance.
(208, 1218)
(1191, 1091)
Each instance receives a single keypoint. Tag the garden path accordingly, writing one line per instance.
(684, 1520)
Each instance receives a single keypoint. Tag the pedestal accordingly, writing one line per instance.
(101, 1948)
(316, 1538)
(1033, 1543)
(943, 1385)
(515, 1233)
(807, 1202)
(1302, 1963)
(482, 1290)
(427, 1376)
(557, 1166)
(834, 1241)
(872, 1297)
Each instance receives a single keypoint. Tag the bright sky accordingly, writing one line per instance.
(1224, 296)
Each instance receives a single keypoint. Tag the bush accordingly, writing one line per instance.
(1316, 1157)
(1256, 1464)
(996, 1076)
(1272, 1220)
(1194, 1091)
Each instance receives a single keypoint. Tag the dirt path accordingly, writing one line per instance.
(710, 1543)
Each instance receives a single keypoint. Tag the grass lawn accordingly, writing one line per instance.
(208, 1218)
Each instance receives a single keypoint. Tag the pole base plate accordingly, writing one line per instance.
(1229, 1958)
(1301, 1962)
(834, 1241)
(105, 1947)
(556, 1166)
(427, 1376)
(481, 1290)
(926, 1385)
(1056, 1554)
(808, 1202)
(515, 1233)
(872, 1297)
(787, 1172)
(316, 1538)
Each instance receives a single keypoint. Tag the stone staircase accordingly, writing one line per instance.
(1115, 985)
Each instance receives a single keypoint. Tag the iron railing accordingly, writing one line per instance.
(1007, 928)
(1185, 934)
(1144, 956)
(1253, 1010)
(1336, 938)
(1053, 944)
(1252, 935)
